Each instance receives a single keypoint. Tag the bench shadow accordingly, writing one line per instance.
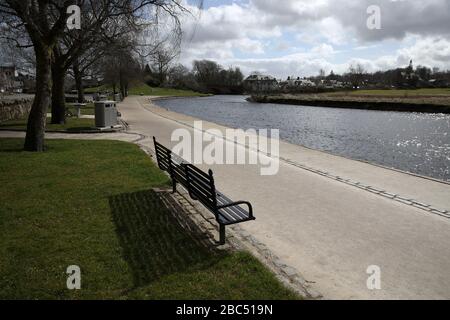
(153, 242)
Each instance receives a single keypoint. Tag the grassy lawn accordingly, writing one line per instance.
(89, 109)
(72, 124)
(150, 91)
(401, 93)
(146, 90)
(88, 203)
(97, 89)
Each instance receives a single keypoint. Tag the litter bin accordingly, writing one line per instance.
(118, 97)
(105, 114)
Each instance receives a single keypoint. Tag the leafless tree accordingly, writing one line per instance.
(44, 22)
(102, 26)
(356, 73)
(162, 60)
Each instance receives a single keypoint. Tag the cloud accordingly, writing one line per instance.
(398, 18)
(299, 37)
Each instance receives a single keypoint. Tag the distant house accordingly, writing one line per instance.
(306, 83)
(26, 82)
(335, 84)
(260, 83)
(301, 83)
(7, 78)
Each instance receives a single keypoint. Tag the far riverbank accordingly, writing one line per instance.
(426, 104)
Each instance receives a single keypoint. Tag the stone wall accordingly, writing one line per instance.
(11, 109)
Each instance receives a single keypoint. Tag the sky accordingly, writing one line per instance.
(299, 37)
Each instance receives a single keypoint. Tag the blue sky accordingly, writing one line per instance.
(300, 37)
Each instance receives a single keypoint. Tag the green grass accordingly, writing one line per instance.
(88, 203)
(89, 109)
(72, 124)
(163, 92)
(402, 93)
(146, 90)
(97, 89)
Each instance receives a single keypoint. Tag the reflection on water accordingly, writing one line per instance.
(414, 142)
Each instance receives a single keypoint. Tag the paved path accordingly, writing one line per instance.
(121, 136)
(315, 216)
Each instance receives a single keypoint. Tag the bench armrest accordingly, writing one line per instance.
(237, 203)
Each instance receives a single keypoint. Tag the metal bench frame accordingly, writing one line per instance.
(201, 187)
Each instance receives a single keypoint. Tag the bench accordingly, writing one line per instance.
(201, 187)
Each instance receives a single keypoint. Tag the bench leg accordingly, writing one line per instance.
(222, 234)
(174, 186)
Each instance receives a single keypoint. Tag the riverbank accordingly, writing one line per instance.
(428, 104)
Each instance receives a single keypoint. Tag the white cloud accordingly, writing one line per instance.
(328, 34)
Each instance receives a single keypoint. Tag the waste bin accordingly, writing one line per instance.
(118, 97)
(105, 114)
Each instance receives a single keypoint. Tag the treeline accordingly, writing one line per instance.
(205, 76)
(82, 39)
(409, 77)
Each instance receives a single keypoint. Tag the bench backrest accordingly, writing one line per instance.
(201, 186)
(178, 171)
(171, 163)
(163, 155)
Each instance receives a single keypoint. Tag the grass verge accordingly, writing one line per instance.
(88, 203)
(89, 109)
(146, 90)
(163, 92)
(72, 124)
(402, 93)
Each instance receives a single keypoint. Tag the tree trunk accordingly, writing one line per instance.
(123, 90)
(34, 139)
(79, 83)
(58, 95)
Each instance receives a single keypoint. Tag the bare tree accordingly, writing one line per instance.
(44, 22)
(321, 74)
(356, 73)
(44, 32)
(120, 68)
(86, 64)
(162, 60)
(102, 25)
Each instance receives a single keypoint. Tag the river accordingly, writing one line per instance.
(414, 142)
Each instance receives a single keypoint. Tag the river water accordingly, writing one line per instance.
(413, 142)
